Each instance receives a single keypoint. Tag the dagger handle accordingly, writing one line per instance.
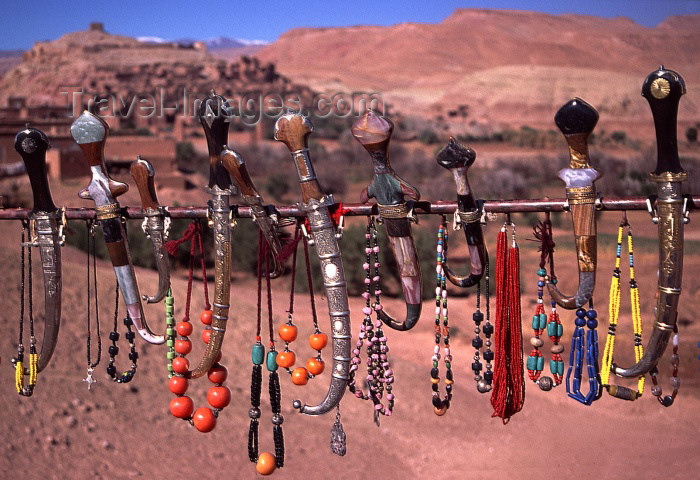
(90, 132)
(143, 174)
(374, 133)
(215, 116)
(576, 120)
(663, 90)
(32, 144)
(293, 130)
(235, 165)
(457, 158)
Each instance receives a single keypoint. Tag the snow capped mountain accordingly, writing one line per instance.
(151, 40)
(226, 42)
(215, 43)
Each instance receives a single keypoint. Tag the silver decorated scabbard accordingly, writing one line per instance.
(293, 130)
(46, 232)
(155, 224)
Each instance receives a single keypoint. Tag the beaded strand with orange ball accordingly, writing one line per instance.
(288, 332)
(265, 462)
(218, 396)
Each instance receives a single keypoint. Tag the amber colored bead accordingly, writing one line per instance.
(204, 419)
(266, 464)
(318, 341)
(183, 347)
(217, 373)
(440, 411)
(315, 366)
(181, 407)
(184, 329)
(300, 376)
(178, 385)
(287, 332)
(206, 317)
(206, 335)
(219, 397)
(286, 359)
(181, 365)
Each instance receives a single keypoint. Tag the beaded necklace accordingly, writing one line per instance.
(26, 390)
(675, 380)
(288, 331)
(380, 376)
(92, 285)
(266, 463)
(614, 311)
(218, 396)
(128, 375)
(508, 394)
(584, 348)
(484, 383)
(440, 406)
(540, 321)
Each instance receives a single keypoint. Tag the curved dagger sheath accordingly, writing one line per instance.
(374, 133)
(233, 162)
(663, 89)
(154, 225)
(215, 117)
(293, 130)
(46, 225)
(458, 158)
(576, 120)
(90, 132)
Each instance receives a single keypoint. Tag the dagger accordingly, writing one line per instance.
(215, 117)
(268, 225)
(47, 222)
(663, 90)
(90, 132)
(155, 224)
(293, 130)
(458, 158)
(374, 133)
(576, 120)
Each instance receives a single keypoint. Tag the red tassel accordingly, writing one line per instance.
(508, 394)
(171, 246)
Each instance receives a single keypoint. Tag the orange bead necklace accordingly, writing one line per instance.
(288, 331)
(219, 396)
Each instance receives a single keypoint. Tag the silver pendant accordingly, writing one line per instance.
(338, 445)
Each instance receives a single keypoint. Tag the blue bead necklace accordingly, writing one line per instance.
(584, 347)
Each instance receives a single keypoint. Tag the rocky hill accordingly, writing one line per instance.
(504, 66)
(103, 63)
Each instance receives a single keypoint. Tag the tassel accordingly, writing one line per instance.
(508, 395)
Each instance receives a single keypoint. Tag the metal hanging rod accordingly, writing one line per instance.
(357, 209)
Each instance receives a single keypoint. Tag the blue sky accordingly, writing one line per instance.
(23, 23)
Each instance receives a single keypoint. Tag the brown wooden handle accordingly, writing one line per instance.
(215, 116)
(235, 165)
(293, 129)
(143, 174)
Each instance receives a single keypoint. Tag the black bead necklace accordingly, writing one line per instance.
(127, 375)
(484, 382)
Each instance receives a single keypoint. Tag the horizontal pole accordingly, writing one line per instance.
(358, 209)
